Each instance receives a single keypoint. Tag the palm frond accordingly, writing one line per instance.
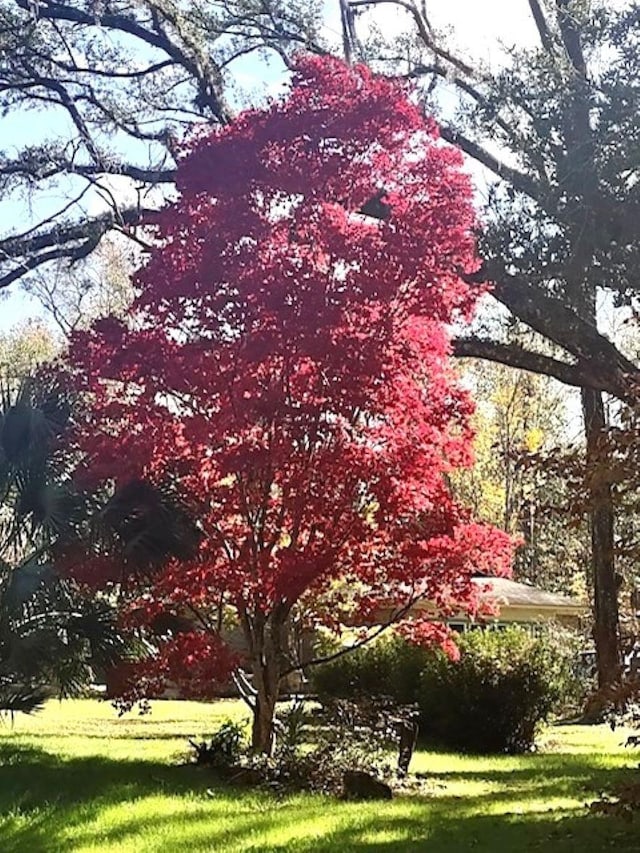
(20, 699)
(147, 525)
(54, 636)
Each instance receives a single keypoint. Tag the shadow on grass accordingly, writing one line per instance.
(141, 736)
(544, 833)
(54, 793)
(43, 798)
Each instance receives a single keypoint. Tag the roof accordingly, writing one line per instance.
(514, 594)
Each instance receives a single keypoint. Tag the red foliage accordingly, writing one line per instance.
(424, 633)
(192, 662)
(286, 360)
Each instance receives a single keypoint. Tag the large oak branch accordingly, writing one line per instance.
(551, 317)
(30, 170)
(71, 241)
(581, 374)
(199, 67)
(608, 369)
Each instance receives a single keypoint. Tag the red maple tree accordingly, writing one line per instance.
(286, 366)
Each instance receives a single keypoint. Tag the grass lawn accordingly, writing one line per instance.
(77, 778)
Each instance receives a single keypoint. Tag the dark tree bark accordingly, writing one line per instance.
(262, 726)
(267, 641)
(603, 573)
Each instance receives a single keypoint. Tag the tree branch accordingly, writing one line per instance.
(579, 374)
(608, 369)
(557, 321)
(109, 75)
(206, 77)
(571, 36)
(395, 617)
(69, 105)
(424, 30)
(71, 254)
(519, 180)
(543, 28)
(16, 247)
(59, 165)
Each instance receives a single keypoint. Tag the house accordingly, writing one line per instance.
(513, 603)
(523, 604)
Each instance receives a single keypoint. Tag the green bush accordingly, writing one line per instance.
(387, 666)
(495, 696)
(491, 700)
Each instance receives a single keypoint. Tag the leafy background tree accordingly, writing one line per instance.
(520, 419)
(553, 124)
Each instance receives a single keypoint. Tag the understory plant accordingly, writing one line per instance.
(493, 699)
(55, 637)
(315, 747)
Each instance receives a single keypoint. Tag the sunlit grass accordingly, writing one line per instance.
(78, 778)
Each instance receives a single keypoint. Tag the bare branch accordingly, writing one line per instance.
(396, 615)
(424, 31)
(71, 241)
(68, 103)
(109, 75)
(25, 235)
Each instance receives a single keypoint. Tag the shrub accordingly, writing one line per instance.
(495, 696)
(339, 738)
(224, 750)
(387, 666)
(315, 749)
(492, 700)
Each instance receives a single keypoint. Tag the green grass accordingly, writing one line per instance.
(77, 778)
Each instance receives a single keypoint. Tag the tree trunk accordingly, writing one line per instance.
(605, 592)
(266, 675)
(265, 636)
(262, 728)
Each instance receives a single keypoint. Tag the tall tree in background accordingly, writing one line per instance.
(286, 367)
(557, 127)
(118, 83)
